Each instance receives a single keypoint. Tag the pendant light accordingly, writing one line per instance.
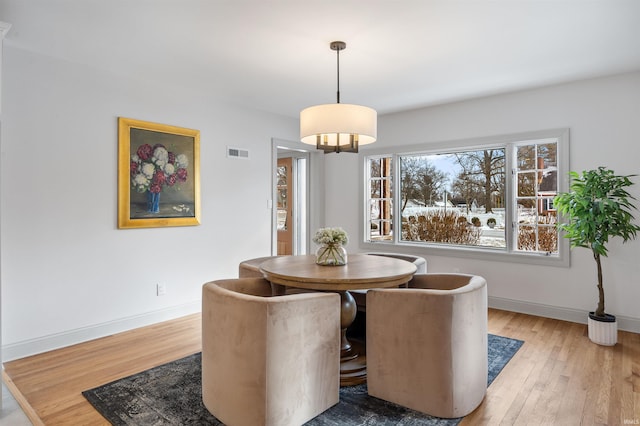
(338, 127)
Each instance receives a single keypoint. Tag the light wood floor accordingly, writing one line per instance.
(558, 377)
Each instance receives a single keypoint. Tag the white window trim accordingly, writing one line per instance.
(484, 253)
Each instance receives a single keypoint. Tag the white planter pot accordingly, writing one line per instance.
(603, 332)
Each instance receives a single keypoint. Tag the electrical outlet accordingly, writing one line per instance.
(161, 289)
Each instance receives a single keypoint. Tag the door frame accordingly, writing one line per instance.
(314, 189)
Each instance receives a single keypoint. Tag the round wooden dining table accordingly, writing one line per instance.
(361, 272)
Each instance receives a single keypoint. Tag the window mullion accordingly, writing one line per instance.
(510, 194)
(397, 200)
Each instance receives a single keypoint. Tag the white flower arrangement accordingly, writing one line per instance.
(326, 236)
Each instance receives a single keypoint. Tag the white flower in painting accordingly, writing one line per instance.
(140, 182)
(182, 161)
(160, 157)
(148, 169)
(169, 169)
(161, 154)
(135, 158)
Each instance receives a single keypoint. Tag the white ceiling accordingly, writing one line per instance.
(274, 55)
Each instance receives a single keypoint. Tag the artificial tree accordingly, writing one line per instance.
(597, 207)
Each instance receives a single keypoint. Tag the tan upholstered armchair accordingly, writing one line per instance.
(427, 344)
(268, 360)
(360, 296)
(420, 262)
(250, 268)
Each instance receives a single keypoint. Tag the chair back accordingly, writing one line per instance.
(420, 262)
(427, 344)
(268, 360)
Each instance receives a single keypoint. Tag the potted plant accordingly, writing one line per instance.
(491, 222)
(598, 207)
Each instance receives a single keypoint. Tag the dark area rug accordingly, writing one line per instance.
(171, 395)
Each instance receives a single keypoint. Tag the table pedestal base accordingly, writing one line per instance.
(354, 371)
(353, 366)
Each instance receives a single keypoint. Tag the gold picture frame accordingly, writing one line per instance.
(158, 175)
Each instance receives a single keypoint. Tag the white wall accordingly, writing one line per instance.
(603, 116)
(68, 273)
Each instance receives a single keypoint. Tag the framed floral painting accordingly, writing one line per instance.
(158, 175)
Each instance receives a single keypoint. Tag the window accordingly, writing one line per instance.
(493, 195)
(536, 180)
(381, 198)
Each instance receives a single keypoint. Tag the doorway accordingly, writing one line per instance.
(291, 202)
(285, 200)
(295, 205)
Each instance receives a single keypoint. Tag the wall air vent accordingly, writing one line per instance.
(237, 153)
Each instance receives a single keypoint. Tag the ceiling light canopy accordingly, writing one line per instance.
(338, 127)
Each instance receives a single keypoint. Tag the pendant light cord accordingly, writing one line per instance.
(338, 73)
(338, 46)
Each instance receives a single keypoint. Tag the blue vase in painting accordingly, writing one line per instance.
(153, 202)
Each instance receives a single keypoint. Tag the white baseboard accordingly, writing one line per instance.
(565, 314)
(72, 337)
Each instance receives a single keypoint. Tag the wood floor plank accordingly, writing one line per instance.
(573, 398)
(630, 378)
(558, 377)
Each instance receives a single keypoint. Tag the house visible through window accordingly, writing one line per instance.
(489, 196)
(537, 184)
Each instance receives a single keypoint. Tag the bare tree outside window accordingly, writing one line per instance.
(486, 169)
(421, 182)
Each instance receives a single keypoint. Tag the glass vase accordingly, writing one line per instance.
(331, 255)
(153, 202)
